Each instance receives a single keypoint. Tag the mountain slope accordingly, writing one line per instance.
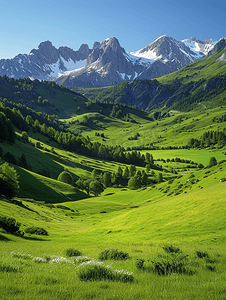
(169, 56)
(203, 80)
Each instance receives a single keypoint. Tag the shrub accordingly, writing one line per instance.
(92, 270)
(36, 230)
(10, 225)
(140, 263)
(73, 252)
(66, 178)
(211, 267)
(171, 249)
(171, 263)
(201, 254)
(8, 268)
(113, 254)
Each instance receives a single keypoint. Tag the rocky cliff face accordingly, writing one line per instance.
(45, 62)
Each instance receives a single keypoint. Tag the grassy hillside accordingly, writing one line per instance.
(140, 224)
(202, 82)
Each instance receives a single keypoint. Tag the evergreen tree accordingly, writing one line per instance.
(132, 170)
(106, 179)
(125, 173)
(159, 177)
(212, 162)
(9, 184)
(148, 167)
(23, 161)
(94, 174)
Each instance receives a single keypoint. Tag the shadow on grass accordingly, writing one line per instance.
(4, 238)
(34, 238)
(31, 187)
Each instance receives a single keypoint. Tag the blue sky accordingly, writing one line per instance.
(25, 24)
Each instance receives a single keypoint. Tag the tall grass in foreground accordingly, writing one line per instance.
(81, 277)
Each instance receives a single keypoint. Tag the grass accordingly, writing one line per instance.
(147, 225)
(144, 224)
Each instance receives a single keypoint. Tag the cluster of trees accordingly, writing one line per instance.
(22, 116)
(220, 119)
(129, 176)
(26, 90)
(208, 138)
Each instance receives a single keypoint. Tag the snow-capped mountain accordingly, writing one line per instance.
(200, 47)
(107, 63)
(45, 62)
(170, 55)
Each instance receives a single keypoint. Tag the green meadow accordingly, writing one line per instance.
(164, 238)
(186, 212)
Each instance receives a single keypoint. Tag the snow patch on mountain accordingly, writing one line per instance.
(137, 60)
(70, 65)
(199, 47)
(149, 54)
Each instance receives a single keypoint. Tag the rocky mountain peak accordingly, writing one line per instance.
(96, 44)
(219, 46)
(110, 43)
(46, 52)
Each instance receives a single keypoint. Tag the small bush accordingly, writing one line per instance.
(73, 252)
(8, 268)
(113, 254)
(171, 263)
(171, 249)
(10, 225)
(140, 263)
(36, 230)
(211, 267)
(66, 177)
(92, 271)
(201, 254)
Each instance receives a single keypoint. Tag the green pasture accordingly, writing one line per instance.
(186, 211)
(138, 222)
(199, 156)
(172, 131)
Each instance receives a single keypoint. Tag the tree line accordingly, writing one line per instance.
(208, 138)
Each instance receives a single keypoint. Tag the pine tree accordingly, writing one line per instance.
(9, 183)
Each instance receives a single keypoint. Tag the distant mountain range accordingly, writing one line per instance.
(200, 84)
(107, 63)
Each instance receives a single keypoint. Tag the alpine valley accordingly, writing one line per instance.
(113, 172)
